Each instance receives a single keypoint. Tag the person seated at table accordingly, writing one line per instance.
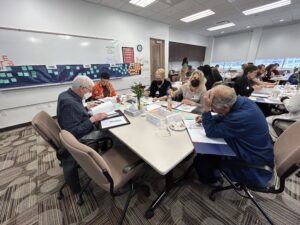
(270, 72)
(159, 86)
(293, 79)
(193, 90)
(73, 116)
(244, 128)
(183, 73)
(246, 84)
(103, 88)
(209, 76)
(261, 70)
(292, 105)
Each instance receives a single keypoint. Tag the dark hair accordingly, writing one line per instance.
(269, 67)
(276, 64)
(105, 75)
(250, 69)
(245, 65)
(260, 66)
(217, 66)
(185, 61)
(250, 63)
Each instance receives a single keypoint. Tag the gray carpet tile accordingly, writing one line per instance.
(30, 177)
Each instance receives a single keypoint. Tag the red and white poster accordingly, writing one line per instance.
(128, 55)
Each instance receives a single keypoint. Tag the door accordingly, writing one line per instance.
(157, 56)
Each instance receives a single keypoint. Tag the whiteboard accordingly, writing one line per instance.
(23, 47)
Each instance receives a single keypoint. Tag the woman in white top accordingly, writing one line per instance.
(292, 105)
(193, 90)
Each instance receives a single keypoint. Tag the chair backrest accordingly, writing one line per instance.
(89, 160)
(287, 150)
(48, 128)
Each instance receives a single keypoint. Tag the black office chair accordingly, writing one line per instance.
(287, 162)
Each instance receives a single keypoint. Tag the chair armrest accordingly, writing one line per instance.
(130, 167)
(235, 163)
(276, 128)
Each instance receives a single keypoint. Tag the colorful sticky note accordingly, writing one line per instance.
(26, 74)
(50, 71)
(77, 67)
(71, 73)
(55, 73)
(24, 68)
(2, 75)
(95, 76)
(88, 72)
(29, 68)
(1, 81)
(189, 117)
(9, 75)
(13, 80)
(20, 74)
(95, 67)
(6, 81)
(68, 67)
(7, 68)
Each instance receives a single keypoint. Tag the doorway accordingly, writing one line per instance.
(157, 55)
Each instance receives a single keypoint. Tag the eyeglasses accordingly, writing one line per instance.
(89, 89)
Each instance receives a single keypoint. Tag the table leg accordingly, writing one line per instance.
(170, 183)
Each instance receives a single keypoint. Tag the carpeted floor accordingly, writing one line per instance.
(30, 177)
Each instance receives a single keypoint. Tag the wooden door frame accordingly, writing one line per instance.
(162, 56)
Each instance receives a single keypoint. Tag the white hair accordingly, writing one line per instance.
(225, 96)
(82, 81)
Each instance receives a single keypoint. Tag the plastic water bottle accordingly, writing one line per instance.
(169, 103)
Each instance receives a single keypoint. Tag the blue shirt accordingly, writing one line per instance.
(72, 115)
(246, 131)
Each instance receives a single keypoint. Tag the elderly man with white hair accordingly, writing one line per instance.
(243, 126)
(72, 115)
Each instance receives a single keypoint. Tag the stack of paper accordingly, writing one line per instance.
(106, 107)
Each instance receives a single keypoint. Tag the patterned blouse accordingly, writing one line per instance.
(103, 91)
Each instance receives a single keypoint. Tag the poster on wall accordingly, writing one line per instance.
(128, 55)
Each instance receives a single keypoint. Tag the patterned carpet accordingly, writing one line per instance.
(30, 177)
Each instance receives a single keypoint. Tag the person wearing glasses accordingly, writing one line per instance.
(72, 115)
(244, 128)
(193, 90)
(103, 88)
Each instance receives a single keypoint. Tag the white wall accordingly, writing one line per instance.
(78, 18)
(73, 17)
(260, 43)
(189, 38)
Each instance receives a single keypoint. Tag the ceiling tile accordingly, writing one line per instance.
(113, 3)
(157, 6)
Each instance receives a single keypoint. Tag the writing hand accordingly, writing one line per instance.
(198, 119)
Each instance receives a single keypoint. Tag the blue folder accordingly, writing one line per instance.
(213, 149)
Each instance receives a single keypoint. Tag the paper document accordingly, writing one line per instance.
(106, 107)
(186, 108)
(116, 121)
(260, 95)
(197, 133)
(174, 104)
(152, 107)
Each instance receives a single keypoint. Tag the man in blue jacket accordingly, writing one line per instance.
(243, 126)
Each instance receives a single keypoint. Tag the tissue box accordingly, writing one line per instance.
(162, 116)
(132, 112)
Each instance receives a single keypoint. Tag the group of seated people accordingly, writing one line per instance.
(239, 120)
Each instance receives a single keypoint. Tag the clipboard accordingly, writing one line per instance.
(115, 121)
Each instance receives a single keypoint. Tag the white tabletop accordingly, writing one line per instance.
(161, 153)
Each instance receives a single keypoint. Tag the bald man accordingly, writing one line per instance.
(243, 126)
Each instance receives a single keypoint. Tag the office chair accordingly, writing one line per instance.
(287, 161)
(111, 170)
(280, 125)
(49, 130)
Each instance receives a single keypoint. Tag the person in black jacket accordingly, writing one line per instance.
(159, 87)
(246, 84)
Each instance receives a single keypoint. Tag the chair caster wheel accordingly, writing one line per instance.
(212, 197)
(149, 214)
(80, 202)
(60, 196)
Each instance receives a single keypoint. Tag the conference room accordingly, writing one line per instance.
(149, 112)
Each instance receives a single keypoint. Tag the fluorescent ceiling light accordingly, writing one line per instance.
(281, 20)
(221, 26)
(34, 40)
(141, 3)
(267, 7)
(65, 37)
(85, 43)
(248, 27)
(198, 16)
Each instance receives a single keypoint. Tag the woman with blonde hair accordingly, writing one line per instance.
(193, 90)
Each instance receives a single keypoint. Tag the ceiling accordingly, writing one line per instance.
(171, 11)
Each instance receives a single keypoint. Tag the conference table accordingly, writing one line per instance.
(163, 153)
